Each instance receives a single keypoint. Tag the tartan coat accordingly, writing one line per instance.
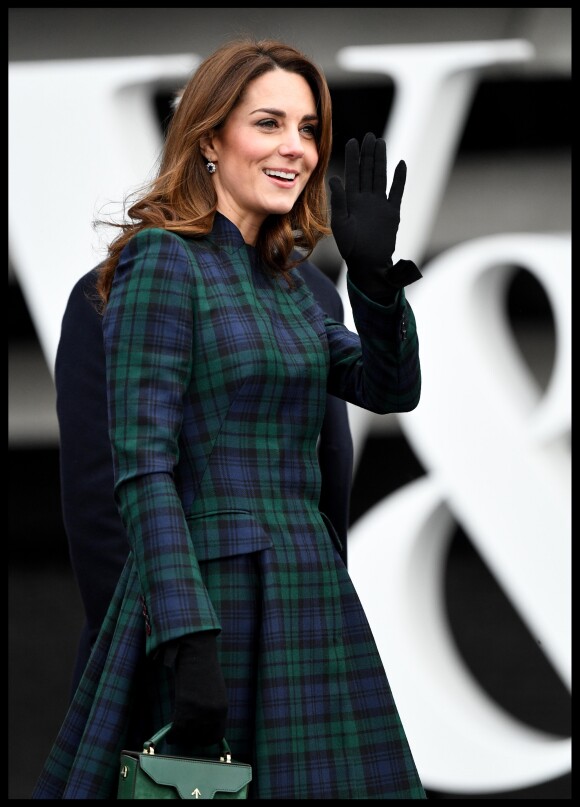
(217, 378)
(98, 545)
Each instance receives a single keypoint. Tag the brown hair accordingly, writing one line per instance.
(182, 198)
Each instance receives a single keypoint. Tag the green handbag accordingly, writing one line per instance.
(147, 775)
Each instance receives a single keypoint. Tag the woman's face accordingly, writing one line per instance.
(266, 151)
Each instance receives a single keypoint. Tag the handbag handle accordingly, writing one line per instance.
(149, 745)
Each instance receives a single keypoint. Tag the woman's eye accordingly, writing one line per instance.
(267, 124)
(309, 130)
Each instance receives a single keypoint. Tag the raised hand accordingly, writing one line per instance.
(365, 219)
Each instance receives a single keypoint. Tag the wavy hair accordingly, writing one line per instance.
(182, 198)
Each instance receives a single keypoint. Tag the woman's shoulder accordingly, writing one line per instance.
(161, 236)
(156, 244)
(155, 252)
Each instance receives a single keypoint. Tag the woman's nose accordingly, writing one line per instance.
(291, 146)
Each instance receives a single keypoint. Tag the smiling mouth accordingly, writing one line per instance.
(288, 176)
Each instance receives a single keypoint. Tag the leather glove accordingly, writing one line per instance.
(201, 701)
(365, 220)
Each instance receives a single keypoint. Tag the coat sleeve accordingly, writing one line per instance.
(378, 368)
(148, 335)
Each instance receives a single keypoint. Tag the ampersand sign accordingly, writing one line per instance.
(497, 453)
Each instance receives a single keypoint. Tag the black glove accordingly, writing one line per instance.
(365, 220)
(201, 700)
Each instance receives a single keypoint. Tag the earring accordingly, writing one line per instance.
(210, 167)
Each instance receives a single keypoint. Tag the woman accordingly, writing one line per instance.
(97, 541)
(235, 614)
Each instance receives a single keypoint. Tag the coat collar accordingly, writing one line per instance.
(226, 235)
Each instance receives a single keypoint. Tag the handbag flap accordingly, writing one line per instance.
(196, 778)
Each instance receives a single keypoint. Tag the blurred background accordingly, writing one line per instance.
(512, 176)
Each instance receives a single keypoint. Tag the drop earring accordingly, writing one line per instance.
(211, 167)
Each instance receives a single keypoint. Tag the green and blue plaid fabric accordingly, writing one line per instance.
(217, 379)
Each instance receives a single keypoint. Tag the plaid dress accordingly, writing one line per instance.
(217, 377)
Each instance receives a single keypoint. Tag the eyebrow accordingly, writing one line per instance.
(279, 113)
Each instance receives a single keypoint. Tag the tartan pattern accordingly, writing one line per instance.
(217, 379)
